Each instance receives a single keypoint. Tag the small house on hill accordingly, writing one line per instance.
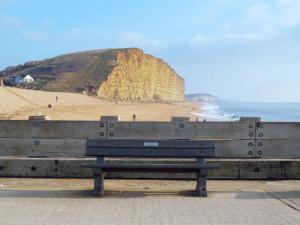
(21, 80)
(28, 79)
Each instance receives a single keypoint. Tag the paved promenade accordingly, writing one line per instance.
(141, 202)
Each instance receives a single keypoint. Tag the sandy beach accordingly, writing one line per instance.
(19, 104)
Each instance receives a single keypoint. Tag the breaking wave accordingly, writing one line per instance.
(212, 112)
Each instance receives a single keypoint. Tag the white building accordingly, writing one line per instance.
(26, 79)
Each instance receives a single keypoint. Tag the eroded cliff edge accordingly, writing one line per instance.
(138, 76)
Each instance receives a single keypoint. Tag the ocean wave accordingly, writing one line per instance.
(232, 111)
(212, 112)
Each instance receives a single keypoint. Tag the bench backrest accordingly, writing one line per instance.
(151, 148)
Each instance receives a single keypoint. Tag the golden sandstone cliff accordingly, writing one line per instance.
(138, 76)
(113, 74)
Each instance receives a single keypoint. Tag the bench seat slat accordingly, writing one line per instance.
(150, 166)
(150, 152)
(169, 144)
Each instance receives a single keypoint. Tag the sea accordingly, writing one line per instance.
(232, 111)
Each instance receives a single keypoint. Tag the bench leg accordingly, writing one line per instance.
(99, 184)
(201, 184)
(201, 179)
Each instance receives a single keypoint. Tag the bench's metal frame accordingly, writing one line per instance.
(151, 149)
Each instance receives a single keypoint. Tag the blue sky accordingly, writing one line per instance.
(237, 50)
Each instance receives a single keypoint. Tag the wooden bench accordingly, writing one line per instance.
(150, 149)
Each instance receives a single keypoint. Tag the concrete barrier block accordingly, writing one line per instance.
(52, 129)
(278, 148)
(39, 117)
(150, 130)
(229, 169)
(224, 130)
(269, 169)
(235, 148)
(180, 119)
(109, 118)
(42, 147)
(250, 119)
(278, 130)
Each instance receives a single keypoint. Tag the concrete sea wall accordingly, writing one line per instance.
(248, 149)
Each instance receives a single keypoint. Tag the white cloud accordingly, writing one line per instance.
(10, 21)
(229, 37)
(79, 32)
(135, 39)
(247, 37)
(279, 14)
(263, 20)
(35, 36)
(198, 39)
(290, 12)
(258, 11)
(131, 38)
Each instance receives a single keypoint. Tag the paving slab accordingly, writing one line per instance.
(141, 202)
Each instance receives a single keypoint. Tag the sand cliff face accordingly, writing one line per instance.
(113, 74)
(138, 76)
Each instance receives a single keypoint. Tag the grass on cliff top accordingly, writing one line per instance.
(93, 75)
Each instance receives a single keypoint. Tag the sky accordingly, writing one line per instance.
(245, 50)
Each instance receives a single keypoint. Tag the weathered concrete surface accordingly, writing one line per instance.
(69, 201)
(233, 139)
(68, 147)
(42, 147)
(51, 129)
(181, 130)
(279, 148)
(229, 168)
(127, 130)
(279, 130)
